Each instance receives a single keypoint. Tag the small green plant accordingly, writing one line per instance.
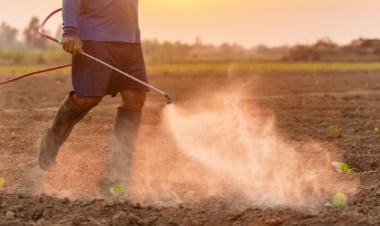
(339, 200)
(2, 181)
(334, 128)
(189, 196)
(117, 190)
(376, 129)
(341, 167)
(292, 167)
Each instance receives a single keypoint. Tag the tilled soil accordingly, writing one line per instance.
(305, 105)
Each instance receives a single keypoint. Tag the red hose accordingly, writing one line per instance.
(41, 31)
(33, 73)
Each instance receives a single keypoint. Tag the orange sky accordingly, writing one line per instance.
(247, 22)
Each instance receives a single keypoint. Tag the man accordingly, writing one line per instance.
(108, 30)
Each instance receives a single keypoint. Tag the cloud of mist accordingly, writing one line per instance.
(220, 145)
(227, 148)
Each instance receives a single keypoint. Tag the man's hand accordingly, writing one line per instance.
(72, 44)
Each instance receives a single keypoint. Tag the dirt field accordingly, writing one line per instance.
(304, 104)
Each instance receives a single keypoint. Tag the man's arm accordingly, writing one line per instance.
(70, 14)
(70, 40)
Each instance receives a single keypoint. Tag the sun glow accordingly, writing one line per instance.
(188, 4)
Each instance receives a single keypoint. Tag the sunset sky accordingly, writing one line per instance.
(246, 22)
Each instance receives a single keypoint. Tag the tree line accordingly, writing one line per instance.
(358, 50)
(157, 52)
(31, 38)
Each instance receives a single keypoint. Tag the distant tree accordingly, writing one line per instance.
(302, 53)
(32, 37)
(226, 48)
(261, 49)
(197, 41)
(8, 35)
(325, 43)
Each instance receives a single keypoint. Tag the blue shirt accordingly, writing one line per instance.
(101, 20)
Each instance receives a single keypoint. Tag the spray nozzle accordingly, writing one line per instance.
(168, 100)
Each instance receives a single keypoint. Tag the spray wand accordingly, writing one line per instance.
(43, 34)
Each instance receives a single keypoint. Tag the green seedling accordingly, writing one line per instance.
(189, 196)
(2, 181)
(334, 128)
(339, 200)
(341, 167)
(48, 188)
(176, 197)
(292, 167)
(376, 129)
(117, 190)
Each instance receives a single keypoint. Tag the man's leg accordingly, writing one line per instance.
(125, 129)
(71, 111)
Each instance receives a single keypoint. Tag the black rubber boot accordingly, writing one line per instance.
(69, 113)
(125, 130)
